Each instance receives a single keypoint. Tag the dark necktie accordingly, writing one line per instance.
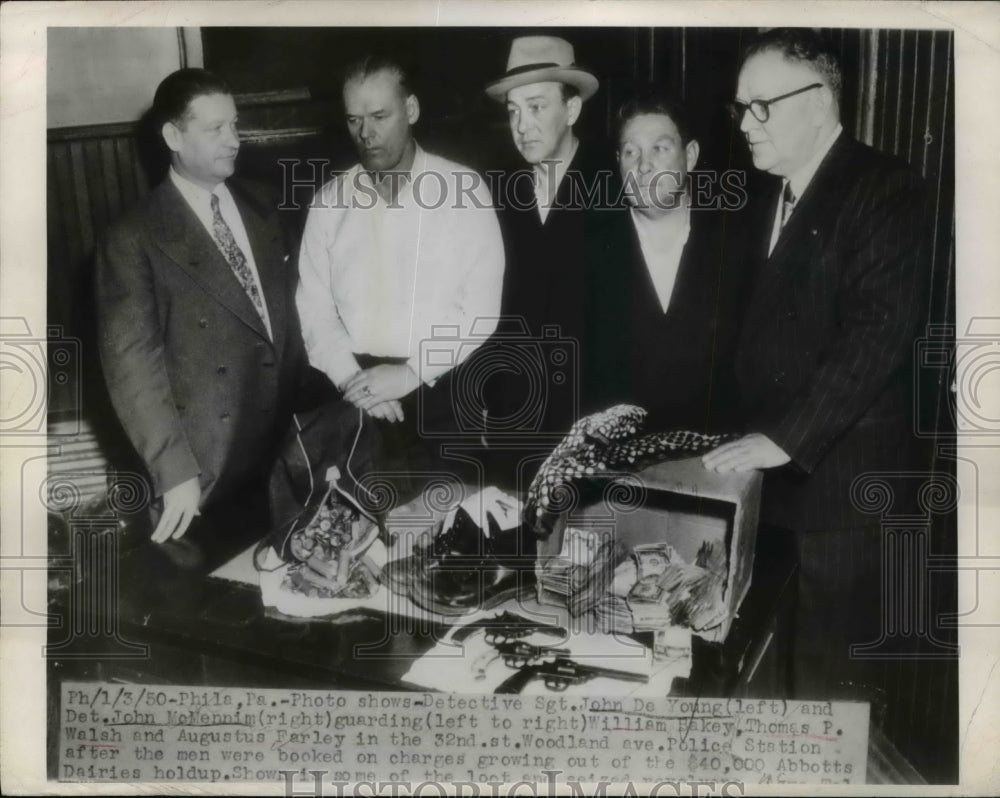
(237, 260)
(788, 200)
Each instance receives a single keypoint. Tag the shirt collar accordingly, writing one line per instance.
(418, 168)
(644, 224)
(800, 179)
(559, 172)
(196, 195)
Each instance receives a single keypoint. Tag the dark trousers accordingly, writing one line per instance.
(839, 605)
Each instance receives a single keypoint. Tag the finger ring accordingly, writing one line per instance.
(367, 390)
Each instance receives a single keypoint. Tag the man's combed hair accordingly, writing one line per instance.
(805, 46)
(371, 64)
(652, 99)
(173, 97)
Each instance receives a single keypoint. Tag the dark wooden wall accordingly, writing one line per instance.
(898, 96)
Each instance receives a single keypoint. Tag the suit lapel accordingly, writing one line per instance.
(184, 239)
(640, 287)
(818, 203)
(264, 232)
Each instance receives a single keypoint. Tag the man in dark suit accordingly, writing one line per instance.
(543, 216)
(827, 338)
(664, 279)
(198, 333)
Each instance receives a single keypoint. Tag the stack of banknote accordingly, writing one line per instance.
(670, 592)
(599, 577)
(647, 599)
(564, 576)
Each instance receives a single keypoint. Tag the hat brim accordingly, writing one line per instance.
(583, 80)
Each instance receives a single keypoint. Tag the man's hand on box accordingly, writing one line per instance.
(180, 506)
(744, 454)
(371, 387)
(391, 411)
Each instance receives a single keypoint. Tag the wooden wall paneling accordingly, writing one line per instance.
(99, 209)
(82, 194)
(903, 144)
(69, 217)
(921, 80)
(58, 242)
(125, 165)
(109, 170)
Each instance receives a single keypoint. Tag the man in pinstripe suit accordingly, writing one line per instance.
(828, 335)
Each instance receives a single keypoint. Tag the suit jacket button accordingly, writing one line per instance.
(224, 416)
(203, 323)
(220, 370)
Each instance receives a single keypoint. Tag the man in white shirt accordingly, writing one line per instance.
(198, 336)
(401, 250)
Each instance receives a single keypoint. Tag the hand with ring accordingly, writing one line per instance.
(371, 387)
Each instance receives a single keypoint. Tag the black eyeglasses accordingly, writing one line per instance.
(761, 109)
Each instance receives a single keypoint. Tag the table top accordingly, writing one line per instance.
(167, 598)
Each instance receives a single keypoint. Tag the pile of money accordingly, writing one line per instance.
(670, 592)
(566, 574)
(611, 610)
(599, 578)
(671, 643)
(694, 596)
(612, 615)
(648, 588)
(646, 597)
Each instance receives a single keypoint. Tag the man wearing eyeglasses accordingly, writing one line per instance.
(823, 357)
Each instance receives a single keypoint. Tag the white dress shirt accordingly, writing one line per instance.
(200, 201)
(380, 279)
(662, 257)
(799, 181)
(546, 190)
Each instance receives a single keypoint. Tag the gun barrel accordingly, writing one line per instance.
(569, 669)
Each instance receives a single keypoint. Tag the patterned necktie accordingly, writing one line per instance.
(788, 200)
(237, 260)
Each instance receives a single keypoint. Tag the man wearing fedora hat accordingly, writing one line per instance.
(543, 211)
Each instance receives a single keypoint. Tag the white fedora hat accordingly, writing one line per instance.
(538, 59)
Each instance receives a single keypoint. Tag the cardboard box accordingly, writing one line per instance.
(681, 503)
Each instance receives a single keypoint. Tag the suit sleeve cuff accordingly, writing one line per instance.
(179, 470)
(803, 453)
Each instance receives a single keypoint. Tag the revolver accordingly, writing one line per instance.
(506, 627)
(561, 673)
(515, 654)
